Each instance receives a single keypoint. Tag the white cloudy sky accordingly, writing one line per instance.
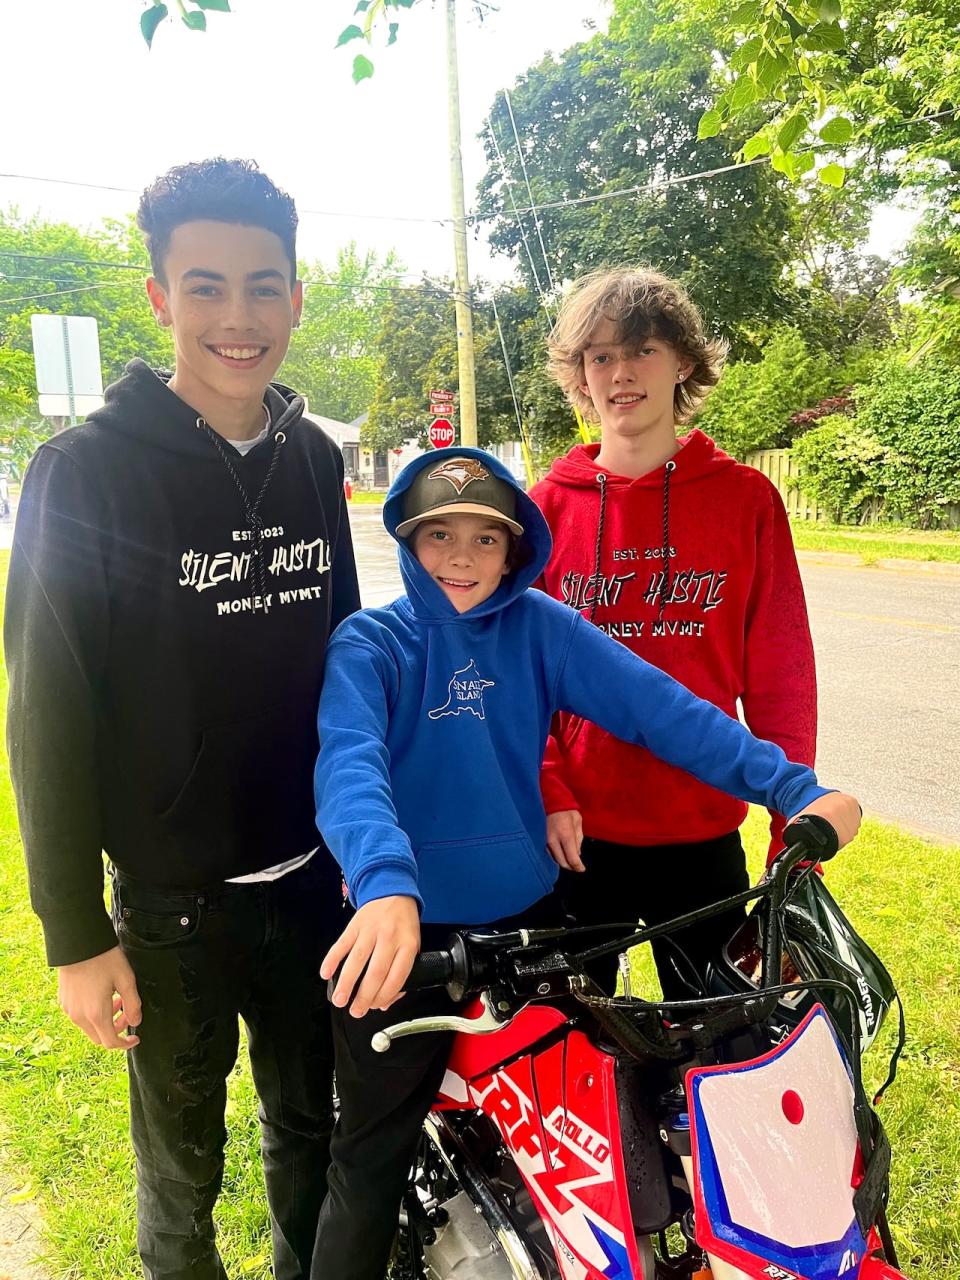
(85, 101)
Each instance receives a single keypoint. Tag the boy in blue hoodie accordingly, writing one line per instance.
(433, 720)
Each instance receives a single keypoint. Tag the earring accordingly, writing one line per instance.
(681, 376)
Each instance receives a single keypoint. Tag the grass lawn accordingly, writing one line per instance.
(877, 543)
(63, 1102)
(363, 497)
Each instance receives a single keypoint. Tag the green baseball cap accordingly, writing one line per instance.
(458, 486)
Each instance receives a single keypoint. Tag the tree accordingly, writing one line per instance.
(622, 113)
(416, 351)
(19, 434)
(332, 358)
(56, 269)
(829, 79)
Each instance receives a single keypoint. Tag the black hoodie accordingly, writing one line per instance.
(168, 610)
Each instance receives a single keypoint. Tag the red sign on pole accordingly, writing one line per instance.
(440, 408)
(441, 395)
(441, 433)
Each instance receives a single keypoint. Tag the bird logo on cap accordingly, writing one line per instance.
(460, 472)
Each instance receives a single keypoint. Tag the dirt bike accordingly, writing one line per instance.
(580, 1137)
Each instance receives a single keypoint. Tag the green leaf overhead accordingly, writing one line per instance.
(362, 68)
(150, 19)
(195, 19)
(791, 130)
(837, 132)
(349, 33)
(832, 175)
(213, 6)
(710, 124)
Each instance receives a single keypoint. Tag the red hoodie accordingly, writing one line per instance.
(733, 626)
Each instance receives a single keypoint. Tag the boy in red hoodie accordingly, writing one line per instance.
(685, 556)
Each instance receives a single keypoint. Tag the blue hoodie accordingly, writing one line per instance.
(433, 725)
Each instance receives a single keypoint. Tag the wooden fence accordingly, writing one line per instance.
(778, 465)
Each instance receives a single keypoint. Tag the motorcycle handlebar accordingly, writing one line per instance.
(808, 836)
(467, 967)
(430, 969)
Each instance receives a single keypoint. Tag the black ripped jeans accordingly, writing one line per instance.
(202, 962)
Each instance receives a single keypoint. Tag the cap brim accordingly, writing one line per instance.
(456, 509)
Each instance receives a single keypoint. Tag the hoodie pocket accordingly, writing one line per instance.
(249, 791)
(481, 880)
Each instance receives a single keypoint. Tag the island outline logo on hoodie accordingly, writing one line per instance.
(464, 693)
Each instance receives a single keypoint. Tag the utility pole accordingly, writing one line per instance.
(462, 299)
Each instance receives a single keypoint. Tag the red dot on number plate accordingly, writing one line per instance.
(792, 1105)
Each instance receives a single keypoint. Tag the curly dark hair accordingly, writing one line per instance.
(219, 190)
(642, 304)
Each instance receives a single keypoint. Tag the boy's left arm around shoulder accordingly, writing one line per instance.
(604, 682)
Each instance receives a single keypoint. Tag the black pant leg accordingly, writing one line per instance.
(608, 892)
(696, 876)
(624, 883)
(190, 978)
(384, 1099)
(291, 1057)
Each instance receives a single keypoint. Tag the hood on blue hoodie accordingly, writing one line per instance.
(426, 598)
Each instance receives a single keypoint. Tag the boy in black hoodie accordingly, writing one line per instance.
(179, 562)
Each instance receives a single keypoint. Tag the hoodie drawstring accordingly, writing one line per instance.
(258, 568)
(665, 590)
(602, 482)
(668, 471)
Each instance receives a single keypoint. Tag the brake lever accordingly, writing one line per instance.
(489, 1021)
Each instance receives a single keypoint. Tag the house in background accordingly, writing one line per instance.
(346, 435)
(376, 469)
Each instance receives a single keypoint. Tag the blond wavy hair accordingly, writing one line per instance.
(642, 304)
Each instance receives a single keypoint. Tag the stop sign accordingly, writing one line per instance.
(441, 433)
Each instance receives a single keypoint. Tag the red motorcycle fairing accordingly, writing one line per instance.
(776, 1160)
(876, 1269)
(557, 1113)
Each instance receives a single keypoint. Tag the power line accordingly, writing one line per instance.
(429, 291)
(133, 266)
(479, 217)
(508, 186)
(317, 213)
(59, 293)
(80, 262)
(526, 178)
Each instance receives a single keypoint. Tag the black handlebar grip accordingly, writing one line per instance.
(430, 969)
(814, 834)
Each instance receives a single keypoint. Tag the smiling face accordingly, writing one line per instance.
(227, 295)
(465, 554)
(632, 388)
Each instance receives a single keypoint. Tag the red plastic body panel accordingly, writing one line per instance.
(556, 1111)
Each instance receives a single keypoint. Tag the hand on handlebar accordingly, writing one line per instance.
(564, 838)
(380, 942)
(840, 810)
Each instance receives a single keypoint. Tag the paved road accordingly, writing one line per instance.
(888, 656)
(888, 660)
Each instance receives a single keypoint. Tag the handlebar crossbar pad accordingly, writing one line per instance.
(430, 969)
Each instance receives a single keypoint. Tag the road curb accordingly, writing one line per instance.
(851, 560)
